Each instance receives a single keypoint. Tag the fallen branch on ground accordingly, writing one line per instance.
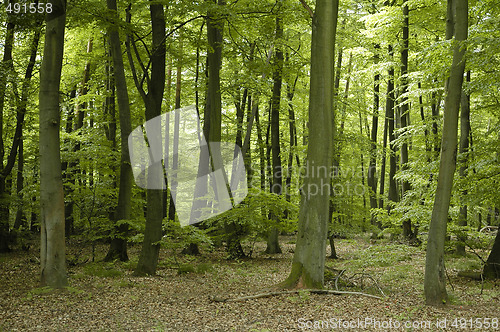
(313, 291)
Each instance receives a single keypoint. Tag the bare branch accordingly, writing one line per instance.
(314, 291)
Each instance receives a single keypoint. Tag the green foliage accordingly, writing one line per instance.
(200, 268)
(103, 270)
(252, 214)
(384, 256)
(178, 237)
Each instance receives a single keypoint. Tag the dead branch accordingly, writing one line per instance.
(313, 291)
(362, 274)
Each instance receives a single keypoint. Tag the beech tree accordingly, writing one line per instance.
(118, 247)
(148, 258)
(52, 247)
(309, 257)
(435, 275)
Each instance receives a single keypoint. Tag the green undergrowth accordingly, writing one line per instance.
(103, 270)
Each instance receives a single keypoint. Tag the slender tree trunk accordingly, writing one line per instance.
(405, 115)
(293, 141)
(425, 123)
(6, 66)
(309, 257)
(383, 165)
(118, 246)
(273, 246)
(20, 216)
(362, 160)
(17, 143)
(260, 144)
(52, 246)
(148, 258)
(332, 204)
(435, 276)
(372, 168)
(465, 132)
(175, 160)
(389, 111)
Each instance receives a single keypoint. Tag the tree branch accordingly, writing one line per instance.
(306, 6)
(314, 291)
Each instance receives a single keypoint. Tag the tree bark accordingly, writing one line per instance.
(405, 115)
(6, 66)
(148, 259)
(372, 168)
(118, 246)
(52, 246)
(389, 109)
(435, 277)
(491, 269)
(273, 246)
(309, 257)
(465, 130)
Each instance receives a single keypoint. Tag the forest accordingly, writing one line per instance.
(242, 165)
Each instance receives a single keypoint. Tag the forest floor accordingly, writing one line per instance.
(106, 297)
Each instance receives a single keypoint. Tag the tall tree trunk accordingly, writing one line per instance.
(405, 114)
(435, 277)
(260, 145)
(78, 125)
(465, 130)
(175, 160)
(148, 259)
(389, 111)
(332, 204)
(293, 141)
(362, 160)
(6, 66)
(118, 246)
(52, 246)
(273, 246)
(17, 144)
(309, 257)
(372, 168)
(383, 165)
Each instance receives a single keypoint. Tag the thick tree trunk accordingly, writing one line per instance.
(435, 277)
(52, 246)
(309, 257)
(118, 246)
